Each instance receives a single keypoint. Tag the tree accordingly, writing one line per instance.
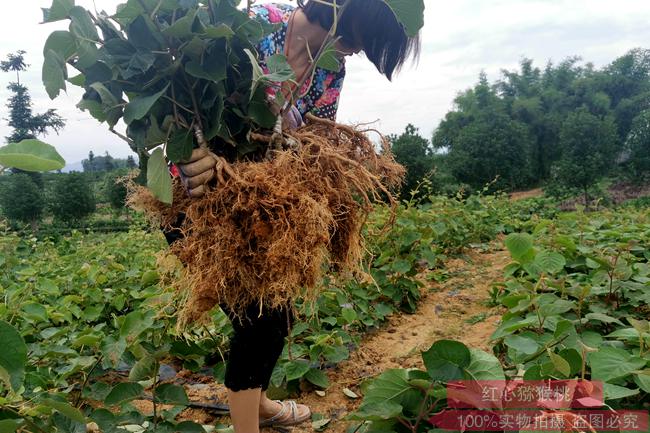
(25, 124)
(14, 63)
(492, 147)
(413, 152)
(114, 189)
(588, 144)
(73, 197)
(101, 163)
(130, 162)
(21, 199)
(483, 140)
(638, 144)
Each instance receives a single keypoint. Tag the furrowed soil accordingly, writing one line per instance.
(454, 305)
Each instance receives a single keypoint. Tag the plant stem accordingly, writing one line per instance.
(539, 353)
(155, 391)
(27, 421)
(406, 424)
(173, 101)
(195, 105)
(85, 382)
(123, 137)
(421, 412)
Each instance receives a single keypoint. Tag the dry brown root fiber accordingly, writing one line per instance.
(267, 234)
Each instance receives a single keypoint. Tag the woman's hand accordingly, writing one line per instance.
(197, 171)
(292, 119)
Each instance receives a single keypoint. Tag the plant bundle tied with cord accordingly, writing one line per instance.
(183, 74)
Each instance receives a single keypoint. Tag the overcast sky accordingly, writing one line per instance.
(460, 38)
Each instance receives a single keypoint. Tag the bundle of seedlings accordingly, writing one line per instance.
(183, 74)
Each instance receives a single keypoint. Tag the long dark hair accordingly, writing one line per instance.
(372, 25)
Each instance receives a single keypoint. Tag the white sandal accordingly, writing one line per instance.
(290, 407)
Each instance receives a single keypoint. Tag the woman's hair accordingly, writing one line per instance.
(370, 25)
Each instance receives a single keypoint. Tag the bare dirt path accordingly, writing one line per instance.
(454, 307)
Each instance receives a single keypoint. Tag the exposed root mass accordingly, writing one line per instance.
(268, 230)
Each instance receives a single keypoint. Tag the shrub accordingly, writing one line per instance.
(72, 198)
(21, 199)
(114, 190)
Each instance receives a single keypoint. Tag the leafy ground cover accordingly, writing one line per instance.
(576, 297)
(91, 318)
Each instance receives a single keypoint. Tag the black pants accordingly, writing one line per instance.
(257, 341)
(255, 346)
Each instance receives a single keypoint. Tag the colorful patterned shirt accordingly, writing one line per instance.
(320, 93)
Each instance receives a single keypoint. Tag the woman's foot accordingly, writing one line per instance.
(277, 412)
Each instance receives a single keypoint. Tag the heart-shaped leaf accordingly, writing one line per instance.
(31, 155)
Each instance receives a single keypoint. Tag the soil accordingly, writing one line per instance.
(521, 195)
(454, 305)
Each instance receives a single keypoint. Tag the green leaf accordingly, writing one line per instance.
(54, 73)
(65, 409)
(402, 266)
(122, 392)
(279, 69)
(139, 107)
(127, 12)
(182, 28)
(82, 24)
(159, 180)
(36, 312)
(134, 324)
(446, 360)
(59, 10)
(615, 392)
(61, 42)
(110, 104)
(143, 34)
(410, 13)
(519, 245)
(260, 113)
(522, 344)
(604, 318)
(149, 278)
(610, 363)
(560, 364)
(573, 357)
(550, 262)
(258, 73)
(557, 307)
(328, 60)
(296, 369)
(113, 349)
(180, 144)
(189, 427)
(642, 379)
(10, 425)
(392, 386)
(13, 357)
(317, 377)
(386, 410)
(213, 66)
(87, 340)
(349, 314)
(171, 394)
(143, 369)
(220, 31)
(484, 366)
(31, 155)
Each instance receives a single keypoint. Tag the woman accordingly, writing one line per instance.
(365, 25)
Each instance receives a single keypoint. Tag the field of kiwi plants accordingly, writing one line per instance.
(87, 321)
